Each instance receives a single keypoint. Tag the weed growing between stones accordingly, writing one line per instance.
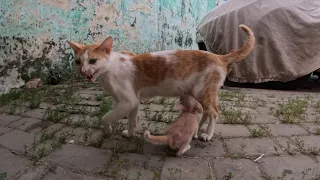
(261, 131)
(292, 111)
(175, 173)
(3, 175)
(228, 176)
(307, 151)
(317, 131)
(233, 116)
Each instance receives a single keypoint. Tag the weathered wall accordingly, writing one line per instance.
(33, 33)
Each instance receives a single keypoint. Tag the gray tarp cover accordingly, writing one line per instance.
(287, 37)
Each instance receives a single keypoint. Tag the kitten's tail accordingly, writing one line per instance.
(155, 139)
(244, 51)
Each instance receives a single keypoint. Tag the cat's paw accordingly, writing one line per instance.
(205, 137)
(126, 134)
(203, 128)
(195, 136)
(108, 130)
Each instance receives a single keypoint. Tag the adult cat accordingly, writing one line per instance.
(129, 78)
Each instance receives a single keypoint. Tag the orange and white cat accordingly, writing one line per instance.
(179, 134)
(130, 78)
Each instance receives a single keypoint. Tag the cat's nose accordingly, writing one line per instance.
(83, 71)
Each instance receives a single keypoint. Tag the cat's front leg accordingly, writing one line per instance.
(121, 109)
(132, 122)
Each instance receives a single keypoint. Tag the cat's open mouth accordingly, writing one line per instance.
(92, 77)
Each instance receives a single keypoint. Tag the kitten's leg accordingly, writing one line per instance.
(121, 109)
(132, 122)
(183, 149)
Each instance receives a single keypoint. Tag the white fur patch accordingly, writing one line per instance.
(168, 55)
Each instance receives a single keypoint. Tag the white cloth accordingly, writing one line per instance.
(287, 37)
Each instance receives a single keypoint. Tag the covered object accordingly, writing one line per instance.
(287, 37)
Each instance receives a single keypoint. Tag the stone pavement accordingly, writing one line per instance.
(55, 133)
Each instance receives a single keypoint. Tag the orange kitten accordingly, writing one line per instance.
(179, 134)
(130, 78)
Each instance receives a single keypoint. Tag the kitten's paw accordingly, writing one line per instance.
(108, 130)
(204, 137)
(126, 134)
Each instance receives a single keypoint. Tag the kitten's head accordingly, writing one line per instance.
(92, 60)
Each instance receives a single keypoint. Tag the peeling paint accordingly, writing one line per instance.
(33, 33)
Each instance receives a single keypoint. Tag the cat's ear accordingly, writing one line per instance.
(106, 45)
(75, 46)
(178, 107)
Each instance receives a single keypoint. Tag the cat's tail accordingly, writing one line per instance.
(155, 139)
(244, 51)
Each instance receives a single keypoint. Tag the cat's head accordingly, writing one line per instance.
(92, 60)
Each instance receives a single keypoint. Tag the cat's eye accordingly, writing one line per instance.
(78, 62)
(92, 61)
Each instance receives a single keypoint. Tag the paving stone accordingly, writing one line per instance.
(4, 130)
(35, 113)
(211, 149)
(26, 124)
(185, 168)
(263, 119)
(90, 91)
(80, 158)
(156, 128)
(17, 141)
(80, 135)
(65, 132)
(150, 148)
(154, 107)
(6, 119)
(286, 130)
(307, 142)
(230, 130)
(14, 109)
(34, 173)
(134, 166)
(12, 164)
(252, 146)
(312, 128)
(286, 145)
(44, 105)
(87, 96)
(167, 117)
(312, 118)
(237, 168)
(54, 128)
(43, 149)
(90, 102)
(61, 173)
(83, 120)
(292, 166)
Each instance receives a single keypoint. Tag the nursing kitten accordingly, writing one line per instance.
(130, 78)
(179, 133)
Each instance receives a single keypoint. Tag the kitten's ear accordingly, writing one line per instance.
(106, 45)
(75, 46)
(179, 107)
